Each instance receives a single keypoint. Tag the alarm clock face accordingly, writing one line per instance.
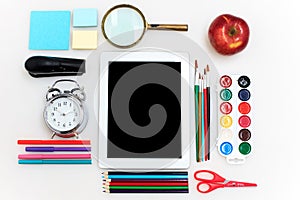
(64, 114)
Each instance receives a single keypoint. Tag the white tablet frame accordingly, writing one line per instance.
(144, 163)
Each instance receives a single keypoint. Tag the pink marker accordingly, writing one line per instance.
(54, 156)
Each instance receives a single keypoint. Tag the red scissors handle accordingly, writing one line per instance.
(208, 176)
(206, 187)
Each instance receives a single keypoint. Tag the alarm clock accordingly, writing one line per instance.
(65, 112)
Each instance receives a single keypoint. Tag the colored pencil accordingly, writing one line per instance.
(144, 176)
(52, 149)
(55, 162)
(146, 187)
(196, 88)
(54, 156)
(146, 191)
(145, 173)
(146, 183)
(55, 142)
(147, 180)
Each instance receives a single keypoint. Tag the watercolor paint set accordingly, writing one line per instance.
(234, 118)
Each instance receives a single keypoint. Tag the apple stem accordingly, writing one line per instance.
(232, 31)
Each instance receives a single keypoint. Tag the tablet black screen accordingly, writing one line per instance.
(144, 110)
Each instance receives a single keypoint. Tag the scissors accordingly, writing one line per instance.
(210, 181)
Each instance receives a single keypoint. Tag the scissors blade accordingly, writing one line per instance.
(239, 184)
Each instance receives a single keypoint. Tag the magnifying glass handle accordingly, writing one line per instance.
(175, 27)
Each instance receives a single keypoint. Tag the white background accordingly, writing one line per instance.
(271, 57)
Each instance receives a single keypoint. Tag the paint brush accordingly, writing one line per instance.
(205, 114)
(196, 90)
(202, 121)
(200, 117)
(208, 109)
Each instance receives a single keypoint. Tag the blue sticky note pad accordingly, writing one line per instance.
(49, 30)
(85, 17)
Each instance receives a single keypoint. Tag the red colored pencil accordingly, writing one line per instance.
(55, 142)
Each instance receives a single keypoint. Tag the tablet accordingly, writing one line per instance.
(144, 110)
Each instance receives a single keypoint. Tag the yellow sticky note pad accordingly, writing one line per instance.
(85, 39)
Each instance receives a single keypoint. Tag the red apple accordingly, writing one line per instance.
(228, 34)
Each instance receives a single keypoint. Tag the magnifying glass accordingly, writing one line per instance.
(124, 26)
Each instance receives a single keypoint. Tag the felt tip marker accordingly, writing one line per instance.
(54, 156)
(52, 149)
(55, 162)
(55, 142)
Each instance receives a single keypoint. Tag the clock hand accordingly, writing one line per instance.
(69, 112)
(59, 112)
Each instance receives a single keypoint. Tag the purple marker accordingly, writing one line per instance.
(52, 149)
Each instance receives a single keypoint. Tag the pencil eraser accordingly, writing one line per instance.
(85, 17)
(85, 39)
(49, 30)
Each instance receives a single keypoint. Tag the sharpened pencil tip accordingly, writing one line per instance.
(196, 64)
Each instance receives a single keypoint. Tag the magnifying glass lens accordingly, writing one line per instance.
(124, 26)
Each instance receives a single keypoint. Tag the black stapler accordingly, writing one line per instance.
(43, 66)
